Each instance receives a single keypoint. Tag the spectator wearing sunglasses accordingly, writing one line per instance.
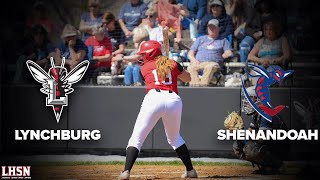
(155, 29)
(216, 10)
(150, 23)
(91, 19)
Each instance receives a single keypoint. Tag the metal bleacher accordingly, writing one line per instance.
(306, 65)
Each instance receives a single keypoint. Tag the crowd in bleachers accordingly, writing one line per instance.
(213, 32)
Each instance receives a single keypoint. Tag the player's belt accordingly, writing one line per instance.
(158, 90)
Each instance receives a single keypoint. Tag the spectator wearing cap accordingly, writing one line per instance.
(91, 19)
(100, 47)
(207, 54)
(131, 15)
(216, 10)
(71, 47)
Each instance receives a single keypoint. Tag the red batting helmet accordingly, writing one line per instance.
(151, 49)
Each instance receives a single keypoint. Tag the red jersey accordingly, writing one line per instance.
(152, 81)
(100, 48)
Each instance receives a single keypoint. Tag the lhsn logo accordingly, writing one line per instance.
(57, 82)
(266, 79)
(15, 172)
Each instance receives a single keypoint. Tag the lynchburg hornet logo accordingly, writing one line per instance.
(266, 79)
(57, 82)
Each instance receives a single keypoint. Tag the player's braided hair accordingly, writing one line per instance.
(163, 64)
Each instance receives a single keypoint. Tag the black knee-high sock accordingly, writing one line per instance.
(184, 155)
(131, 156)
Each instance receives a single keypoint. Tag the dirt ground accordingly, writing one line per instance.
(97, 172)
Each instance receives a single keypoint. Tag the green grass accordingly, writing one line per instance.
(158, 163)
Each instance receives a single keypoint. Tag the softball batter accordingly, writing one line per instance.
(161, 101)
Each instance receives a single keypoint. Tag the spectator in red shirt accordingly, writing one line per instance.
(100, 52)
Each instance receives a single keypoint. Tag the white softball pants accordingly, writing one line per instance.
(156, 105)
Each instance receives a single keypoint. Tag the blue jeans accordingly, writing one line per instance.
(132, 75)
(245, 47)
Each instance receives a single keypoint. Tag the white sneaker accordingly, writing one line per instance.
(190, 174)
(124, 175)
